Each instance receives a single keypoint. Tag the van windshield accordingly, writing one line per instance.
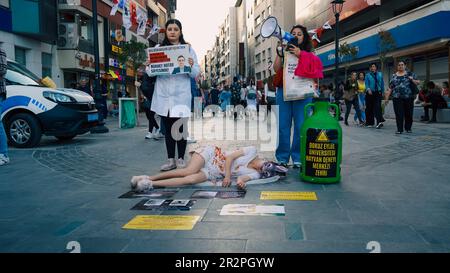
(19, 75)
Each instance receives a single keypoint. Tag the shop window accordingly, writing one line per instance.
(86, 30)
(20, 54)
(46, 65)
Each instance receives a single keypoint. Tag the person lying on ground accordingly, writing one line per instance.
(213, 164)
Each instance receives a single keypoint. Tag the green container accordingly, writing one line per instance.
(321, 144)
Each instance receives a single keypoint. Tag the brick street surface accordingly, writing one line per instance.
(394, 190)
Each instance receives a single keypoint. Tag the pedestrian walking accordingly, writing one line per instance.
(146, 85)
(351, 98)
(361, 96)
(374, 93)
(401, 87)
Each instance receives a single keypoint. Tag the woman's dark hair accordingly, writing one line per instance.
(244, 85)
(306, 44)
(364, 74)
(445, 84)
(431, 85)
(166, 42)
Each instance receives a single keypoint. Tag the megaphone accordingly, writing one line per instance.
(271, 28)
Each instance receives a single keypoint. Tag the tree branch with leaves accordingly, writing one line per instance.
(347, 53)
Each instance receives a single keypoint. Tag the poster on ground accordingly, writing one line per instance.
(218, 194)
(164, 204)
(150, 194)
(288, 195)
(168, 60)
(253, 210)
(162, 222)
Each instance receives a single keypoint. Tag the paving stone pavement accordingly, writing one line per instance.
(394, 190)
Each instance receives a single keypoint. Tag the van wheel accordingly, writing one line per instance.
(65, 138)
(23, 130)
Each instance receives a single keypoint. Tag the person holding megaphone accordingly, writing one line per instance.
(291, 112)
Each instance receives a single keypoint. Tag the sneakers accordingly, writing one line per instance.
(370, 126)
(380, 125)
(180, 163)
(170, 165)
(135, 180)
(149, 135)
(157, 135)
(144, 185)
(3, 159)
(297, 165)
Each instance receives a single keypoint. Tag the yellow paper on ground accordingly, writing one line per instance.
(162, 222)
(288, 195)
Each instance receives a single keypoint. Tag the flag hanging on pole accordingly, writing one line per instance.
(126, 17)
(115, 7)
(133, 13)
(142, 22)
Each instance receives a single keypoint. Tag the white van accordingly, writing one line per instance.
(31, 109)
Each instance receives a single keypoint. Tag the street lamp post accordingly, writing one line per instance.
(337, 9)
(270, 68)
(101, 128)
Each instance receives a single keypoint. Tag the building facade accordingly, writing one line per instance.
(265, 49)
(418, 28)
(250, 55)
(28, 34)
(55, 38)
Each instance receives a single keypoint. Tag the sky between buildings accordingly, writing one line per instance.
(201, 20)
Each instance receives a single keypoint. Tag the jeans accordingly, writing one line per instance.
(3, 139)
(289, 111)
(348, 107)
(362, 107)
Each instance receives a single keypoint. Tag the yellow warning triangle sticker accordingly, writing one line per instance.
(322, 137)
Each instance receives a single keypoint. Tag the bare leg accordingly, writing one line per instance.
(195, 164)
(192, 179)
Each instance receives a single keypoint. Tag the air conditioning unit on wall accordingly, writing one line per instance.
(68, 36)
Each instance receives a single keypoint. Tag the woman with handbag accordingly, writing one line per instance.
(351, 98)
(402, 88)
(291, 113)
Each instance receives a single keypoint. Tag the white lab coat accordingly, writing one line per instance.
(172, 95)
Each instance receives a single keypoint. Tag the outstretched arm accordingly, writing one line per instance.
(242, 180)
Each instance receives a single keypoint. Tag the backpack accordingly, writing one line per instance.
(235, 94)
(251, 94)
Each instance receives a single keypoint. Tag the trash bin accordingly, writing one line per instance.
(128, 114)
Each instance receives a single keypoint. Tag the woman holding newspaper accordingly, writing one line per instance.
(172, 99)
(291, 107)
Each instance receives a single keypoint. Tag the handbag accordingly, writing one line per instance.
(413, 86)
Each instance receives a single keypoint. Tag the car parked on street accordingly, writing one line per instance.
(31, 109)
